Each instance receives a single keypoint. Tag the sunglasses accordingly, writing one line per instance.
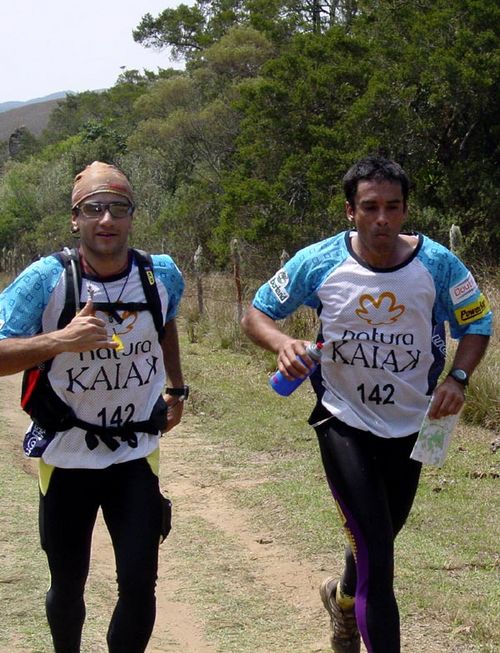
(98, 209)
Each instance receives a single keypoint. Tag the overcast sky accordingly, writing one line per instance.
(48, 46)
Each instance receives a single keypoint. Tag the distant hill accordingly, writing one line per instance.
(7, 106)
(33, 114)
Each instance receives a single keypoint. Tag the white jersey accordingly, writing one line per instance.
(103, 387)
(384, 342)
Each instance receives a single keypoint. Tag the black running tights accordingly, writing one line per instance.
(374, 482)
(131, 503)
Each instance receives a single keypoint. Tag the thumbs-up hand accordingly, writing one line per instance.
(86, 332)
(88, 309)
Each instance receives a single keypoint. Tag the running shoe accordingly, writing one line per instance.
(345, 633)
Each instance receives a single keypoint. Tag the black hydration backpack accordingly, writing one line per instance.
(48, 412)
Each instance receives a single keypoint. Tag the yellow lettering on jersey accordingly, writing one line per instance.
(473, 311)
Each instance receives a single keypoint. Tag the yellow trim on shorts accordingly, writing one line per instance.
(44, 475)
(154, 461)
(45, 470)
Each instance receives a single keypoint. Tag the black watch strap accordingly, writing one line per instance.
(459, 375)
(182, 393)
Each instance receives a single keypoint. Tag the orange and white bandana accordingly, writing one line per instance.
(100, 178)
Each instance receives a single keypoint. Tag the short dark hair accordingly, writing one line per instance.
(377, 168)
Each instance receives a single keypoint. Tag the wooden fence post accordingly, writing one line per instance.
(235, 252)
(198, 271)
(456, 240)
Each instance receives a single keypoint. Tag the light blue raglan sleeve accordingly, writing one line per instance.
(297, 283)
(23, 302)
(459, 301)
(167, 272)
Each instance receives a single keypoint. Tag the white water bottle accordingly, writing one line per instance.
(284, 386)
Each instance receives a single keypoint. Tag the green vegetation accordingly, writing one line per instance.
(276, 100)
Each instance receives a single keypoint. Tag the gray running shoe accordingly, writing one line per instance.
(345, 633)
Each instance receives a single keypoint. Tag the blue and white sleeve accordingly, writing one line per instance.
(459, 301)
(298, 281)
(169, 274)
(23, 302)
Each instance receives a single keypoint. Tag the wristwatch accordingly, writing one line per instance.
(460, 376)
(182, 393)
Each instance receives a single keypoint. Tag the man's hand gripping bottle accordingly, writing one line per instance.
(282, 385)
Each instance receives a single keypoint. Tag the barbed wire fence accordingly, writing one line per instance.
(214, 301)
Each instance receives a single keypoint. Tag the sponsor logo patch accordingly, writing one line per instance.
(473, 311)
(380, 310)
(463, 290)
(278, 284)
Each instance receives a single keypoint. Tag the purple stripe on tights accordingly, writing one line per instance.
(362, 567)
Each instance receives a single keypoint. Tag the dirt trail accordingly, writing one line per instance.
(179, 627)
(191, 619)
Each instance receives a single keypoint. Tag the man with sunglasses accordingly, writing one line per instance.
(383, 297)
(108, 366)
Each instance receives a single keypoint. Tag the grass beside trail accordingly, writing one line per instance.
(23, 576)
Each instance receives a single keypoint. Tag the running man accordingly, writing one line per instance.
(383, 297)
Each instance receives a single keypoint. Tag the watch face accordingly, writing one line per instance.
(459, 375)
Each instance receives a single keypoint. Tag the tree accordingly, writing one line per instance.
(291, 150)
(190, 124)
(416, 81)
(183, 30)
(433, 103)
(112, 108)
(278, 98)
(189, 30)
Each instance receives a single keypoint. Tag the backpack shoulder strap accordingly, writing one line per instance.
(145, 265)
(70, 259)
(36, 394)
